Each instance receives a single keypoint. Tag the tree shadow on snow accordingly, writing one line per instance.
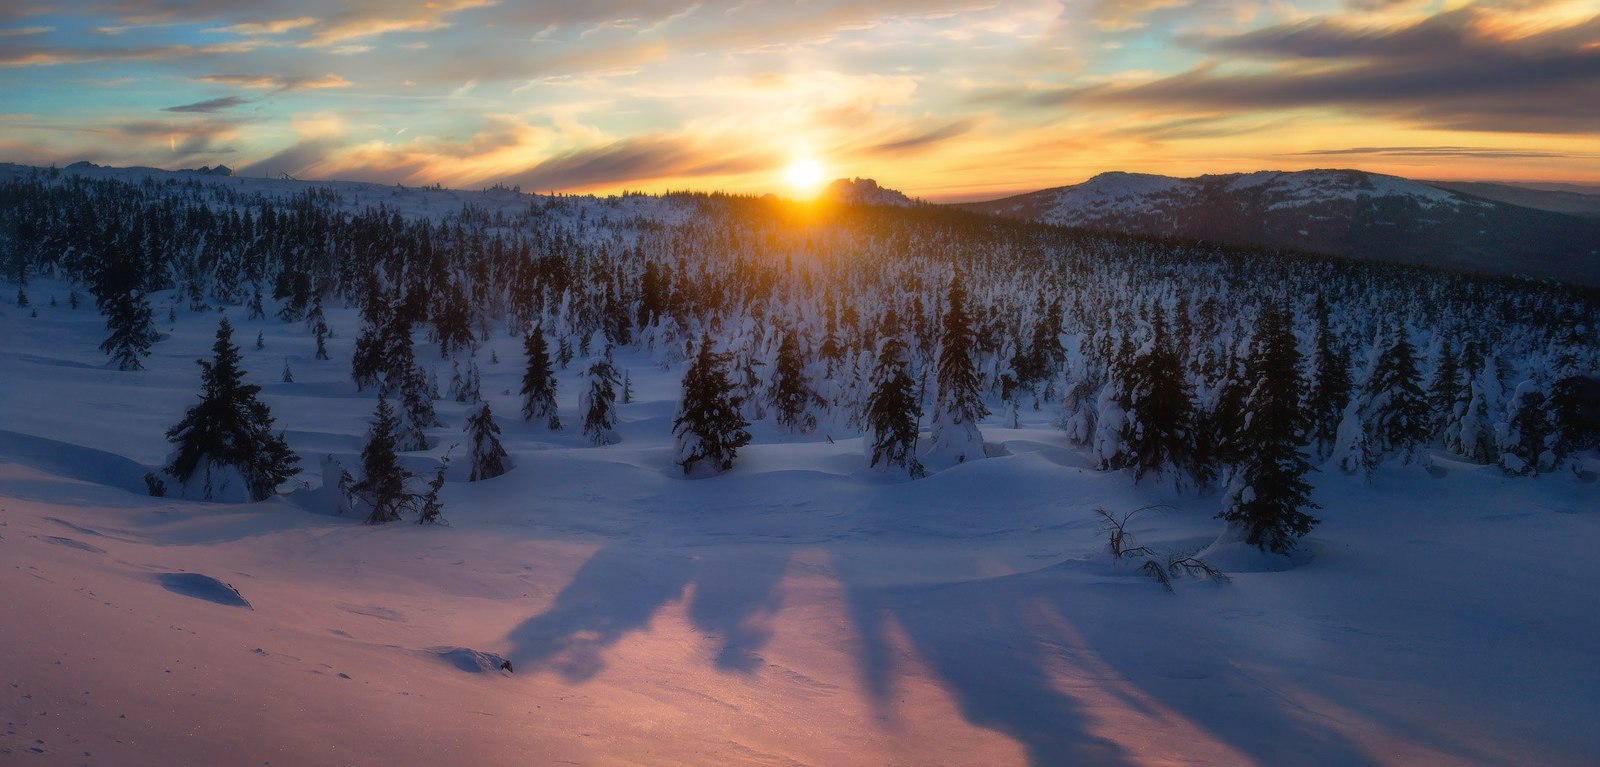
(1000, 645)
(620, 589)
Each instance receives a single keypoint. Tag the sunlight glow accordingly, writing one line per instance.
(804, 175)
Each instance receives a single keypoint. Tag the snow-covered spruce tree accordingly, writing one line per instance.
(382, 486)
(539, 382)
(1267, 492)
(708, 426)
(487, 455)
(119, 293)
(319, 326)
(416, 412)
(1392, 409)
(1475, 410)
(1329, 387)
(1158, 430)
(892, 411)
(227, 437)
(1442, 390)
(790, 392)
(959, 405)
(1525, 438)
(598, 403)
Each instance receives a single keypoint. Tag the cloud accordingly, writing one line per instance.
(210, 105)
(293, 161)
(1443, 72)
(924, 140)
(635, 160)
(1436, 151)
(275, 27)
(277, 82)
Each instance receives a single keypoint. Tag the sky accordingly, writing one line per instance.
(944, 99)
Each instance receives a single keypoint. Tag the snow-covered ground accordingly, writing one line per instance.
(800, 609)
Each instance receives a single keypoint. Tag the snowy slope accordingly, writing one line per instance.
(801, 609)
(409, 202)
(1340, 212)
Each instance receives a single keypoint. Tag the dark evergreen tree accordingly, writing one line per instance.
(1329, 388)
(1526, 439)
(790, 392)
(1268, 491)
(288, 375)
(319, 326)
(382, 486)
(1393, 410)
(539, 382)
(892, 411)
(488, 456)
(416, 412)
(1157, 433)
(959, 404)
(599, 402)
(708, 426)
(229, 431)
(120, 295)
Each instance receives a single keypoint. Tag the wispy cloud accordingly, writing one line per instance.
(210, 105)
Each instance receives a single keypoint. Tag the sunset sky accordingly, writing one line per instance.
(945, 100)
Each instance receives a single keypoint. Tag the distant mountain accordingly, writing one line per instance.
(865, 191)
(1341, 212)
(1556, 200)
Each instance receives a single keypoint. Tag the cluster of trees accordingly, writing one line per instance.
(1177, 362)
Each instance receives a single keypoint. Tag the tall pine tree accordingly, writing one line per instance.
(959, 405)
(539, 382)
(598, 403)
(709, 427)
(892, 411)
(228, 435)
(1268, 490)
(382, 486)
(487, 455)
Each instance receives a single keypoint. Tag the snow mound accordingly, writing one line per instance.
(62, 459)
(202, 587)
(469, 660)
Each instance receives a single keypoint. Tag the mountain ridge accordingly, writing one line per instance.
(1342, 212)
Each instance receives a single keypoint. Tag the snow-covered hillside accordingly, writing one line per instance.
(1342, 212)
(800, 609)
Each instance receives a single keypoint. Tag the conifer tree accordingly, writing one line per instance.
(288, 375)
(319, 327)
(892, 411)
(1392, 409)
(383, 482)
(487, 456)
(416, 413)
(119, 294)
(1476, 409)
(1161, 411)
(229, 431)
(1329, 388)
(539, 382)
(790, 392)
(1268, 491)
(1526, 440)
(599, 402)
(959, 405)
(708, 426)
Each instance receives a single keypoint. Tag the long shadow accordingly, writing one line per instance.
(734, 599)
(978, 646)
(621, 588)
(990, 643)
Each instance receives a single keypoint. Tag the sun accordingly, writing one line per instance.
(803, 175)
